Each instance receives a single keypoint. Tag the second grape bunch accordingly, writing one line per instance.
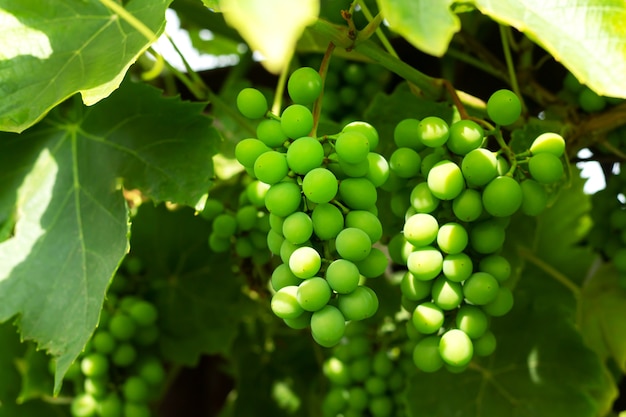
(322, 210)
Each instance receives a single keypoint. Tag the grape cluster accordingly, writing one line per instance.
(322, 210)
(245, 228)
(120, 371)
(365, 379)
(587, 99)
(456, 198)
(350, 87)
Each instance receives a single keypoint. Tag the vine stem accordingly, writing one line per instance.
(550, 270)
(381, 35)
(317, 107)
(132, 20)
(506, 47)
(280, 90)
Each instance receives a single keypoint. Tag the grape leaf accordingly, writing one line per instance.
(66, 47)
(199, 298)
(588, 37)
(428, 25)
(72, 229)
(277, 26)
(602, 309)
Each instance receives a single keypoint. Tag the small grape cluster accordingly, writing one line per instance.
(244, 228)
(365, 380)
(120, 371)
(456, 198)
(587, 99)
(322, 209)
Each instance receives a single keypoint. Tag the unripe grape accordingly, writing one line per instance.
(343, 276)
(320, 185)
(305, 154)
(405, 162)
(452, 238)
(447, 294)
(143, 312)
(421, 229)
(413, 288)
(271, 167)
(479, 167)
(84, 405)
(457, 267)
(305, 262)
(501, 304)
(246, 217)
(502, 197)
(590, 101)
(285, 304)
(283, 198)
(465, 136)
(405, 134)
(545, 168)
(366, 221)
(296, 121)
(327, 326)
(433, 131)
(270, 132)
(252, 103)
(327, 221)
(487, 237)
(422, 199)
(366, 130)
(548, 143)
(358, 193)
(297, 227)
(496, 265)
(124, 355)
(378, 169)
(353, 244)
(135, 389)
(374, 265)
(425, 263)
(301, 322)
(336, 371)
(283, 277)
(535, 198)
(504, 107)
(445, 180)
(485, 345)
(313, 294)
(122, 327)
(352, 147)
(426, 354)
(304, 85)
(468, 205)
(456, 348)
(359, 304)
(472, 321)
(480, 288)
(94, 365)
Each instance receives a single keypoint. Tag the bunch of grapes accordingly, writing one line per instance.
(322, 209)
(244, 228)
(456, 198)
(120, 371)
(365, 380)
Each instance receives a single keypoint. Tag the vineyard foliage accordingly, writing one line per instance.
(117, 162)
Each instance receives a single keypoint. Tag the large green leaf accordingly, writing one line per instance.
(72, 229)
(428, 25)
(52, 50)
(588, 37)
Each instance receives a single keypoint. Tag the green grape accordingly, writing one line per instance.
(296, 121)
(283, 198)
(84, 405)
(548, 143)
(287, 249)
(271, 167)
(328, 326)
(381, 406)
(501, 304)
(122, 327)
(375, 385)
(124, 355)
(348, 95)
(496, 265)
(426, 355)
(504, 107)
(103, 342)
(359, 304)
(353, 244)
(276, 223)
(96, 387)
(422, 199)
(212, 207)
(335, 401)
(275, 242)
(297, 228)
(352, 146)
(405, 134)
(502, 197)
(534, 197)
(111, 406)
(343, 276)
(378, 169)
(480, 288)
(252, 103)
(366, 130)
(327, 221)
(452, 238)
(487, 237)
(468, 205)
(300, 322)
(421, 229)
(456, 348)
(414, 289)
(358, 399)
(545, 168)
(428, 318)
(132, 409)
(135, 389)
(219, 244)
(485, 345)
(374, 265)
(354, 74)
(224, 225)
(425, 263)
(359, 169)
(479, 167)
(151, 370)
(429, 160)
(446, 180)
(144, 313)
(465, 136)
(447, 294)
(285, 304)
(304, 154)
(433, 131)
(405, 162)
(146, 336)
(304, 85)
(305, 262)
(246, 217)
(94, 365)
(336, 371)
(366, 221)
(590, 101)
(283, 277)
(313, 294)
(320, 185)
(471, 320)
(382, 365)
(270, 132)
